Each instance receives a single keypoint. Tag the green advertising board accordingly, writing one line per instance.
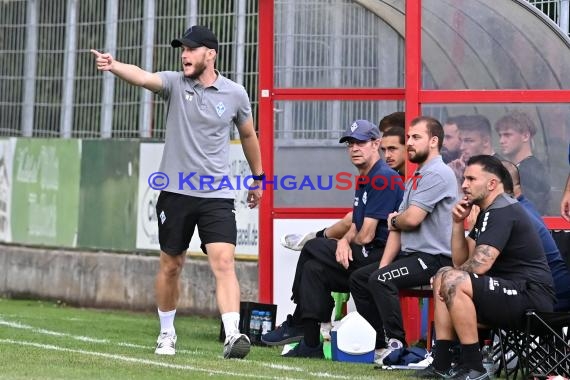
(45, 191)
(108, 200)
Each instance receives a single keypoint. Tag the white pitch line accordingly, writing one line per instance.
(150, 362)
(283, 367)
(299, 369)
(19, 325)
(130, 359)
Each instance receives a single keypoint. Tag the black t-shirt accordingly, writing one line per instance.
(506, 226)
(535, 183)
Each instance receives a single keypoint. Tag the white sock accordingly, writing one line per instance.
(167, 321)
(231, 323)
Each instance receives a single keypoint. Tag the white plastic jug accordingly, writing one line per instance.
(355, 335)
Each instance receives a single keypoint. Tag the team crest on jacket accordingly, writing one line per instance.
(220, 109)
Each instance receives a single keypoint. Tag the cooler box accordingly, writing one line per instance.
(353, 339)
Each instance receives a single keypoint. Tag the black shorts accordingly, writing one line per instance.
(179, 214)
(503, 303)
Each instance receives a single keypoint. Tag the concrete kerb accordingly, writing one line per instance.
(110, 280)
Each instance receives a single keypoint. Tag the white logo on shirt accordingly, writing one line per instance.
(364, 198)
(493, 283)
(510, 292)
(189, 95)
(485, 219)
(355, 201)
(162, 217)
(220, 109)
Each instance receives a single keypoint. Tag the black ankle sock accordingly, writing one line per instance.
(471, 357)
(442, 354)
(312, 329)
(321, 233)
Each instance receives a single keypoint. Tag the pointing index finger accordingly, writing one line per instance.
(96, 53)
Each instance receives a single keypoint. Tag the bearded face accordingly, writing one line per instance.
(418, 155)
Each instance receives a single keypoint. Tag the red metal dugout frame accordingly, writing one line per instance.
(413, 95)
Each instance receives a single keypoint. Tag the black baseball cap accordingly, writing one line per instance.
(197, 36)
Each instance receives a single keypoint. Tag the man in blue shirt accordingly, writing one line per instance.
(558, 268)
(325, 264)
(394, 152)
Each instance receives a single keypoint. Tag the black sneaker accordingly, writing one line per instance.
(469, 374)
(431, 373)
(236, 346)
(286, 333)
(304, 351)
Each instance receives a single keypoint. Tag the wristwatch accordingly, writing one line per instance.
(393, 222)
(258, 177)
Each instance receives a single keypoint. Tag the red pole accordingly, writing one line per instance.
(413, 66)
(265, 267)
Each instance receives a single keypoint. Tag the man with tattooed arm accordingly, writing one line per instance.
(499, 271)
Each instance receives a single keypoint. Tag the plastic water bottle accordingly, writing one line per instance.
(258, 325)
(488, 362)
(254, 326)
(266, 325)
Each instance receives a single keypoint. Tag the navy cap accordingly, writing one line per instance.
(197, 36)
(361, 130)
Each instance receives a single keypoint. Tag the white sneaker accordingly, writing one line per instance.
(393, 345)
(165, 344)
(423, 363)
(236, 346)
(379, 355)
(296, 242)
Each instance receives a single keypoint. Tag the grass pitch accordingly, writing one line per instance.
(46, 340)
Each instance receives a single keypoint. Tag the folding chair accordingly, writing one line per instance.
(547, 351)
(540, 350)
(508, 351)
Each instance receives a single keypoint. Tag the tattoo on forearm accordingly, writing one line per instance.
(470, 265)
(482, 256)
